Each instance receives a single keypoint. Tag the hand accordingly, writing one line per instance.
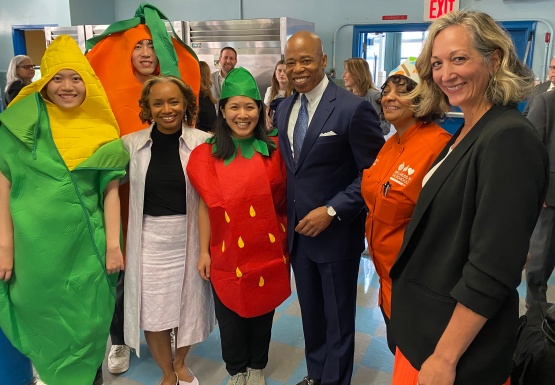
(269, 124)
(203, 265)
(114, 260)
(6, 264)
(437, 371)
(314, 222)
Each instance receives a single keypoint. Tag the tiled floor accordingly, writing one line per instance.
(373, 361)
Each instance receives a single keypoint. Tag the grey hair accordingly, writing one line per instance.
(11, 75)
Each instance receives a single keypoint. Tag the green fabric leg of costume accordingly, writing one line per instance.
(57, 307)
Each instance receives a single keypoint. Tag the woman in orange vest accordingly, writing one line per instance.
(392, 184)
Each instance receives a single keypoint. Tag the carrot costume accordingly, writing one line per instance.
(110, 56)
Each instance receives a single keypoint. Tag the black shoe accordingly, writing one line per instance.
(308, 381)
(98, 378)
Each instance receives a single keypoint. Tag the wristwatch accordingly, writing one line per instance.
(331, 211)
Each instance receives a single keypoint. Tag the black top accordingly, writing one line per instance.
(165, 192)
(206, 114)
(12, 92)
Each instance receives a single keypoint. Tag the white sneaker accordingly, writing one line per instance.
(238, 379)
(118, 359)
(255, 377)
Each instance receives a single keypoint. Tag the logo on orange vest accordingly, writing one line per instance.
(402, 175)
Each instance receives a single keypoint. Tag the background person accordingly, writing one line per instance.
(358, 80)
(240, 177)
(391, 186)
(59, 252)
(279, 89)
(542, 87)
(541, 262)
(207, 112)
(227, 62)
(327, 137)
(163, 291)
(20, 73)
(454, 314)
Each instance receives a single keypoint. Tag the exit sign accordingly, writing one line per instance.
(434, 9)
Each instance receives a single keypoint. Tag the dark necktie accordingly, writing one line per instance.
(301, 126)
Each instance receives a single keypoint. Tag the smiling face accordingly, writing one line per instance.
(227, 60)
(459, 69)
(305, 61)
(167, 107)
(396, 106)
(66, 89)
(348, 78)
(241, 114)
(25, 71)
(144, 60)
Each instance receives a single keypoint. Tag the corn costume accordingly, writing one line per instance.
(57, 307)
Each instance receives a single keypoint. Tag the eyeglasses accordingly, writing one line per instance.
(552, 67)
(27, 66)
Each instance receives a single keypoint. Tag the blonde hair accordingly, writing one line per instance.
(188, 97)
(361, 75)
(512, 82)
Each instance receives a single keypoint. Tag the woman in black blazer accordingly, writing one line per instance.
(455, 305)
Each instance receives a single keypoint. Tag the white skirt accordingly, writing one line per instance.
(163, 271)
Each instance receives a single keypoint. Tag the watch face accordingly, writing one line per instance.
(331, 211)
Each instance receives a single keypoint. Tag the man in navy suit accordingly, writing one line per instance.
(327, 136)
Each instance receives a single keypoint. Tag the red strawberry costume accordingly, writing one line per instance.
(246, 201)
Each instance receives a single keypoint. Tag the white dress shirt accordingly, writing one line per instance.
(313, 97)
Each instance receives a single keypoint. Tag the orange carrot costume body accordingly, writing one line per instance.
(110, 56)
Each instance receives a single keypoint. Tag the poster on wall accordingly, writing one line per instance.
(434, 9)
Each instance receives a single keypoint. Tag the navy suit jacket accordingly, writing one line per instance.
(342, 140)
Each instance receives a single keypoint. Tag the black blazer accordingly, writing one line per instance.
(542, 116)
(467, 242)
(539, 89)
(12, 92)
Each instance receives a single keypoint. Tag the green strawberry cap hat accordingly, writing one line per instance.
(240, 82)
